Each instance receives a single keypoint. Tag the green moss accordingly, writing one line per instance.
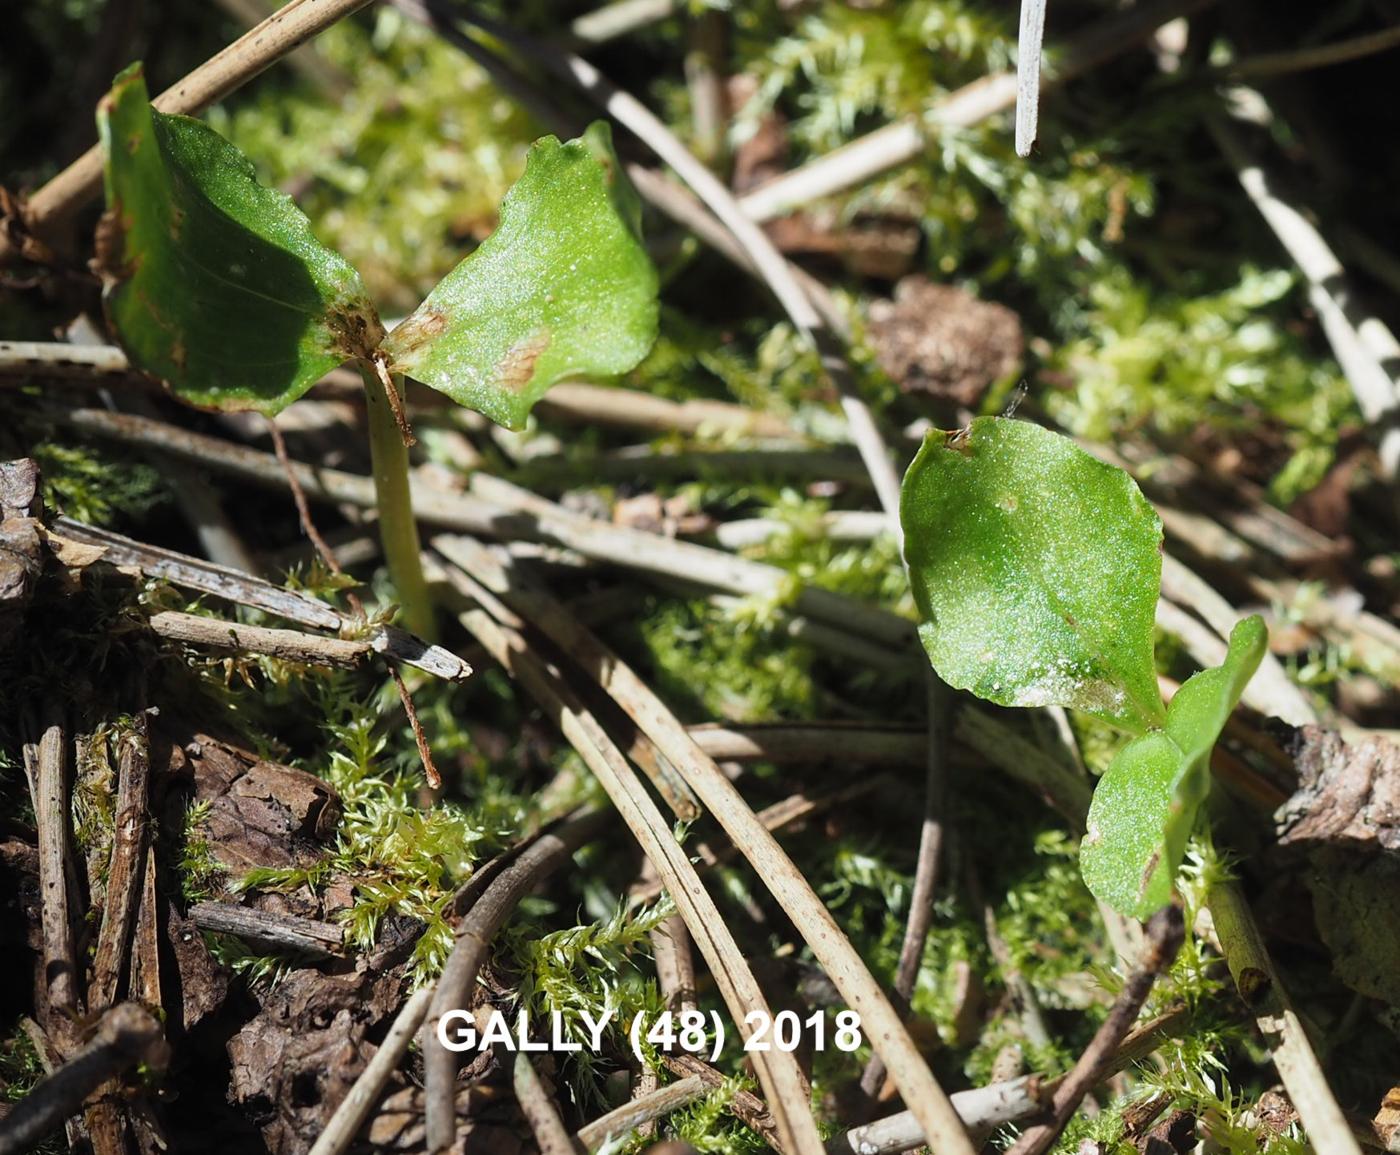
(401, 859)
(708, 1127)
(100, 485)
(735, 664)
(1171, 361)
(199, 872)
(588, 970)
(20, 1067)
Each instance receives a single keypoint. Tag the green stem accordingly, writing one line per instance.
(397, 529)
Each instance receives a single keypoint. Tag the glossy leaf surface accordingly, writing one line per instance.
(213, 282)
(1036, 569)
(562, 288)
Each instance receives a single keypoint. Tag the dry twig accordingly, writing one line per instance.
(982, 1110)
(267, 641)
(1271, 64)
(834, 743)
(51, 817)
(127, 1035)
(354, 1109)
(242, 60)
(898, 143)
(1028, 74)
(194, 573)
(321, 940)
(618, 18)
(492, 906)
(745, 1106)
(920, 920)
(1263, 992)
(1364, 345)
(539, 1110)
(125, 878)
(622, 1121)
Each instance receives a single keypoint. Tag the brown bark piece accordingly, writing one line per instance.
(1347, 795)
(942, 341)
(1344, 822)
(19, 488)
(1386, 1123)
(299, 1056)
(21, 546)
(201, 985)
(260, 813)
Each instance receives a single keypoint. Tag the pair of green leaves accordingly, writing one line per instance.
(216, 284)
(1036, 570)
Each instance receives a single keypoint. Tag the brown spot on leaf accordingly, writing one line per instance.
(179, 355)
(517, 368)
(417, 331)
(109, 248)
(1152, 863)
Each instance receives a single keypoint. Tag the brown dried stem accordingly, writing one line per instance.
(920, 920)
(539, 1109)
(354, 1109)
(777, 1072)
(284, 932)
(488, 913)
(1263, 992)
(126, 876)
(51, 818)
(622, 1121)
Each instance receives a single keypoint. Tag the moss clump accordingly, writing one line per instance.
(99, 485)
(588, 970)
(400, 859)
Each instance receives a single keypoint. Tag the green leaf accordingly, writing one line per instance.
(211, 281)
(1202, 706)
(1133, 846)
(562, 288)
(1145, 806)
(1036, 570)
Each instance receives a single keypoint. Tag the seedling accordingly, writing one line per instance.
(1036, 570)
(216, 285)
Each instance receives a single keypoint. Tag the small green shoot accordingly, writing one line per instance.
(1145, 806)
(1036, 569)
(216, 285)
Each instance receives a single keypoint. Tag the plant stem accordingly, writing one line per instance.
(397, 529)
(1263, 992)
